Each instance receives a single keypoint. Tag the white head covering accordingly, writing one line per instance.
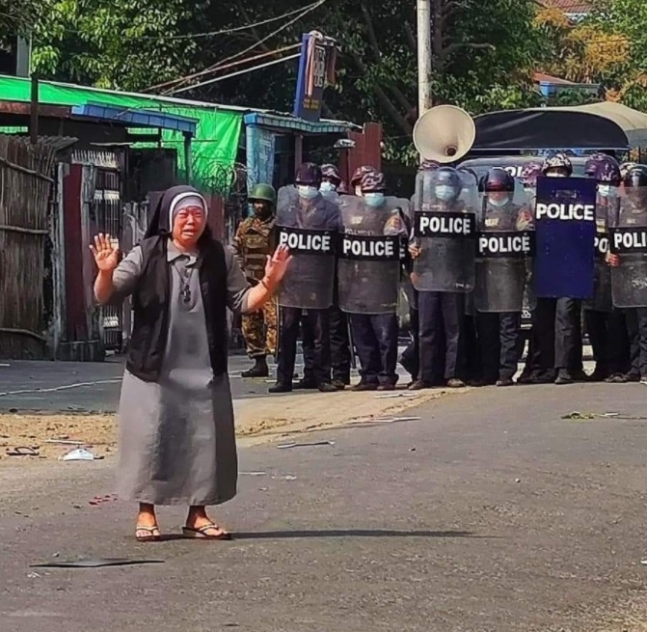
(186, 200)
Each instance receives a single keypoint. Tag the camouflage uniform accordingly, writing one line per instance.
(256, 239)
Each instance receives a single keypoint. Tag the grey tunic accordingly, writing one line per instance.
(177, 441)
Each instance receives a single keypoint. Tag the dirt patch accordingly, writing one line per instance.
(258, 420)
(34, 432)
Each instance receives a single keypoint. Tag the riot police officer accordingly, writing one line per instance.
(558, 321)
(629, 269)
(605, 325)
(340, 353)
(505, 246)
(443, 270)
(410, 358)
(532, 372)
(308, 224)
(374, 232)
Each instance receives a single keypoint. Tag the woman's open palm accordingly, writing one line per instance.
(106, 254)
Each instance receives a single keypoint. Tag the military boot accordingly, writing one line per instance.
(260, 369)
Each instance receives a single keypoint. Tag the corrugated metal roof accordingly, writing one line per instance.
(567, 6)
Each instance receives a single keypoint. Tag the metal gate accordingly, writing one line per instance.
(109, 219)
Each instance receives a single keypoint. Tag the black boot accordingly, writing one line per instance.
(260, 369)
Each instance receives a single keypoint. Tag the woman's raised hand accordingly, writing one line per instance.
(105, 252)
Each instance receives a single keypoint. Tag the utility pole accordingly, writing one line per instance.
(424, 56)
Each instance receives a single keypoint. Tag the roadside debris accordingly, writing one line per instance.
(287, 446)
(367, 421)
(80, 454)
(394, 395)
(23, 451)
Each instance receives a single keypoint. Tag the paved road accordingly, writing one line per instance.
(89, 386)
(490, 514)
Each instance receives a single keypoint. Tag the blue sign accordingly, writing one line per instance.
(260, 155)
(317, 55)
(565, 238)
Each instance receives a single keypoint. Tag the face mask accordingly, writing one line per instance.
(556, 174)
(374, 199)
(327, 187)
(604, 190)
(499, 202)
(444, 192)
(307, 192)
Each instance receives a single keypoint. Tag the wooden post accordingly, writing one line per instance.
(33, 110)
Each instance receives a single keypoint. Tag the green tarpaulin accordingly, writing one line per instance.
(214, 145)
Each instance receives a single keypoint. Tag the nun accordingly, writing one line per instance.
(177, 442)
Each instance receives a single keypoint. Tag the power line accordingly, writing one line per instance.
(218, 65)
(237, 73)
(236, 29)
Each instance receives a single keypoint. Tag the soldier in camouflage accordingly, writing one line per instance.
(256, 239)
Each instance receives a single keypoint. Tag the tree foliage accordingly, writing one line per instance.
(484, 54)
(124, 44)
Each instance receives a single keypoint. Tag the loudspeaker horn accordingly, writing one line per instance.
(444, 134)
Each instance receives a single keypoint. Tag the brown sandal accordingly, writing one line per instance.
(154, 534)
(201, 532)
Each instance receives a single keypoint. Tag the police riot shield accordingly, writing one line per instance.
(444, 231)
(506, 246)
(565, 238)
(369, 254)
(628, 233)
(608, 204)
(309, 229)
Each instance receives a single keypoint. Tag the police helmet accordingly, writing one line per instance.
(530, 172)
(373, 182)
(428, 165)
(309, 174)
(331, 173)
(636, 177)
(359, 172)
(603, 168)
(557, 161)
(497, 179)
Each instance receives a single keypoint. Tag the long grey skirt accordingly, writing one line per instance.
(177, 443)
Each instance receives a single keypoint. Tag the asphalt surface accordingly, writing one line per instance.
(95, 386)
(89, 386)
(491, 513)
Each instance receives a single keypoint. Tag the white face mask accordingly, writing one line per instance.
(307, 192)
(444, 192)
(327, 187)
(498, 202)
(556, 174)
(604, 190)
(374, 199)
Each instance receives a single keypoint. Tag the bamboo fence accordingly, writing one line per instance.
(25, 186)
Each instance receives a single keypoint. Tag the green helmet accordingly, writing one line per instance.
(264, 192)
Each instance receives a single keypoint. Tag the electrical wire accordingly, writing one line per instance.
(237, 73)
(218, 65)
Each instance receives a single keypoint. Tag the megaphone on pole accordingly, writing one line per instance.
(444, 134)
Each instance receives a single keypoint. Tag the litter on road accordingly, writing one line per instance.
(94, 563)
(287, 446)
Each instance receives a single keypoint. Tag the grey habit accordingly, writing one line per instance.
(177, 442)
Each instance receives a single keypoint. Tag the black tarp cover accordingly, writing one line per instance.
(519, 130)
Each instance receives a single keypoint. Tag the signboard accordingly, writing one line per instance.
(317, 55)
(565, 237)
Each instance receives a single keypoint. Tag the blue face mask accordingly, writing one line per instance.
(307, 192)
(444, 192)
(374, 199)
(327, 187)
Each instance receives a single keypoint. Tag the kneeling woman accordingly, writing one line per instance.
(177, 440)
